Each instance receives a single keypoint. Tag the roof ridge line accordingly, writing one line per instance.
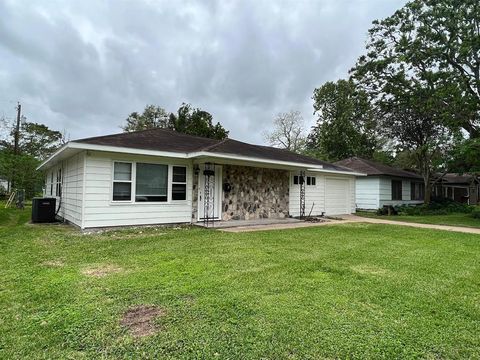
(213, 146)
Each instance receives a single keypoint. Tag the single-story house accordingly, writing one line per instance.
(160, 177)
(463, 188)
(384, 185)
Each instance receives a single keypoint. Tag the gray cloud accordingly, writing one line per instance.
(84, 66)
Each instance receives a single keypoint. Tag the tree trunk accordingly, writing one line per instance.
(428, 190)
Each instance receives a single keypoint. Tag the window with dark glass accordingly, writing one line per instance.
(179, 183)
(396, 190)
(311, 180)
(58, 184)
(122, 181)
(417, 191)
(51, 184)
(151, 182)
(295, 180)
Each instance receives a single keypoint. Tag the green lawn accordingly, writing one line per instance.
(343, 291)
(454, 219)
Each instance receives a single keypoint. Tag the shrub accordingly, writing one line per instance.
(476, 213)
(437, 207)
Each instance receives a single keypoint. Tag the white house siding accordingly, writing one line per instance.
(69, 204)
(386, 193)
(333, 195)
(72, 189)
(101, 211)
(367, 193)
(314, 196)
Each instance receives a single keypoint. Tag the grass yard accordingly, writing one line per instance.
(453, 219)
(345, 291)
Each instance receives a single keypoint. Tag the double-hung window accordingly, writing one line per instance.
(122, 181)
(179, 183)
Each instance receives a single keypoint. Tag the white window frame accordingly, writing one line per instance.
(133, 182)
(178, 183)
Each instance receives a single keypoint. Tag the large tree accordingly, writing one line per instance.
(413, 87)
(152, 117)
(187, 120)
(435, 45)
(346, 124)
(288, 131)
(36, 142)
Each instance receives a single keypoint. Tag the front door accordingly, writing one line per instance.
(209, 200)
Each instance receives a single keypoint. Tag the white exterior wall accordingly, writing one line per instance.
(69, 205)
(385, 192)
(316, 197)
(100, 210)
(367, 193)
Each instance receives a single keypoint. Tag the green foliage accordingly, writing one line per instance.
(36, 140)
(152, 117)
(346, 124)
(423, 79)
(465, 157)
(21, 169)
(476, 213)
(187, 120)
(436, 207)
(196, 122)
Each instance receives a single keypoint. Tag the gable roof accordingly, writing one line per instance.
(372, 168)
(173, 141)
(457, 178)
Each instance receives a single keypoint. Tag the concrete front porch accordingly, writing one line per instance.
(265, 224)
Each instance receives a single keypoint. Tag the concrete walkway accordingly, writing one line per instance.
(463, 229)
(345, 219)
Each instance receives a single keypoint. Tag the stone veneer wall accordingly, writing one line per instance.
(256, 193)
(195, 197)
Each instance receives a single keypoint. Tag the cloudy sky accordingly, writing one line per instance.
(84, 65)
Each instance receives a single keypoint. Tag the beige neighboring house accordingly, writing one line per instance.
(161, 177)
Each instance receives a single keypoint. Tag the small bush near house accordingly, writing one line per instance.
(476, 213)
(436, 207)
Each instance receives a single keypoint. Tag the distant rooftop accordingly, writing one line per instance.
(372, 168)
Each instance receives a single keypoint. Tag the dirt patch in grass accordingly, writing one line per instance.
(139, 320)
(53, 263)
(102, 270)
(369, 269)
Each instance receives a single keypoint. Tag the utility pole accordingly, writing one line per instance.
(16, 140)
(17, 128)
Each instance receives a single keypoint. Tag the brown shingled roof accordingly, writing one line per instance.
(172, 141)
(372, 168)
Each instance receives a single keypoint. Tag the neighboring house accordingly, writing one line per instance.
(463, 188)
(384, 185)
(159, 176)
